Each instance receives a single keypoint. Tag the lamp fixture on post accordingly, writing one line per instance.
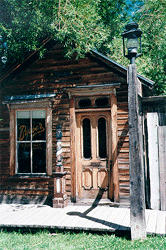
(132, 41)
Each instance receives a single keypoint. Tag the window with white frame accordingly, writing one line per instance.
(31, 141)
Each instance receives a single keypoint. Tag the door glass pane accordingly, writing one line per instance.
(23, 153)
(102, 137)
(39, 157)
(86, 138)
(23, 126)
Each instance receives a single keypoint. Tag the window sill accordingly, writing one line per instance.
(30, 176)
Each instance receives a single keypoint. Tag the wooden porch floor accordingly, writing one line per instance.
(99, 218)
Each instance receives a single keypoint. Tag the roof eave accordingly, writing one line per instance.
(145, 81)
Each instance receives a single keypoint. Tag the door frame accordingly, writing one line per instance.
(93, 115)
(114, 175)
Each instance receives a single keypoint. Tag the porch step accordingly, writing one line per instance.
(94, 202)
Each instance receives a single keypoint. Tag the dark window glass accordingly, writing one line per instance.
(38, 129)
(101, 102)
(86, 138)
(39, 157)
(102, 137)
(84, 103)
(31, 141)
(23, 157)
(23, 129)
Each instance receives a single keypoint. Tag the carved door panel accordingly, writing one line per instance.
(93, 154)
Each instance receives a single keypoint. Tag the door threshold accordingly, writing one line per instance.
(94, 202)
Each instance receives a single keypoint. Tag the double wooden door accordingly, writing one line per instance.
(93, 154)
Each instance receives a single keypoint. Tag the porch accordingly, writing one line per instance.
(98, 218)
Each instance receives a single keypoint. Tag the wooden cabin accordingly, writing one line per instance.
(86, 100)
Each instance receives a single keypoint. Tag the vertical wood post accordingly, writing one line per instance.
(162, 163)
(114, 149)
(72, 150)
(12, 142)
(137, 192)
(49, 141)
(152, 126)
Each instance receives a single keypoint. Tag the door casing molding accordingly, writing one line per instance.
(114, 175)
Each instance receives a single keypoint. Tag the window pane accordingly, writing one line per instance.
(101, 102)
(38, 129)
(23, 114)
(86, 138)
(38, 114)
(31, 157)
(102, 137)
(23, 129)
(23, 155)
(84, 103)
(39, 157)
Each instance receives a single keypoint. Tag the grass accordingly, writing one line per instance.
(56, 240)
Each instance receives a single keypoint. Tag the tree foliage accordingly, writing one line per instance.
(151, 18)
(82, 25)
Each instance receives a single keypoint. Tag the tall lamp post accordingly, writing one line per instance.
(132, 43)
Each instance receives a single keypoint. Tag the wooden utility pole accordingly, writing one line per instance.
(137, 191)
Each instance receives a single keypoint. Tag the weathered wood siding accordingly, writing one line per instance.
(4, 146)
(162, 160)
(123, 143)
(153, 155)
(50, 75)
(154, 107)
